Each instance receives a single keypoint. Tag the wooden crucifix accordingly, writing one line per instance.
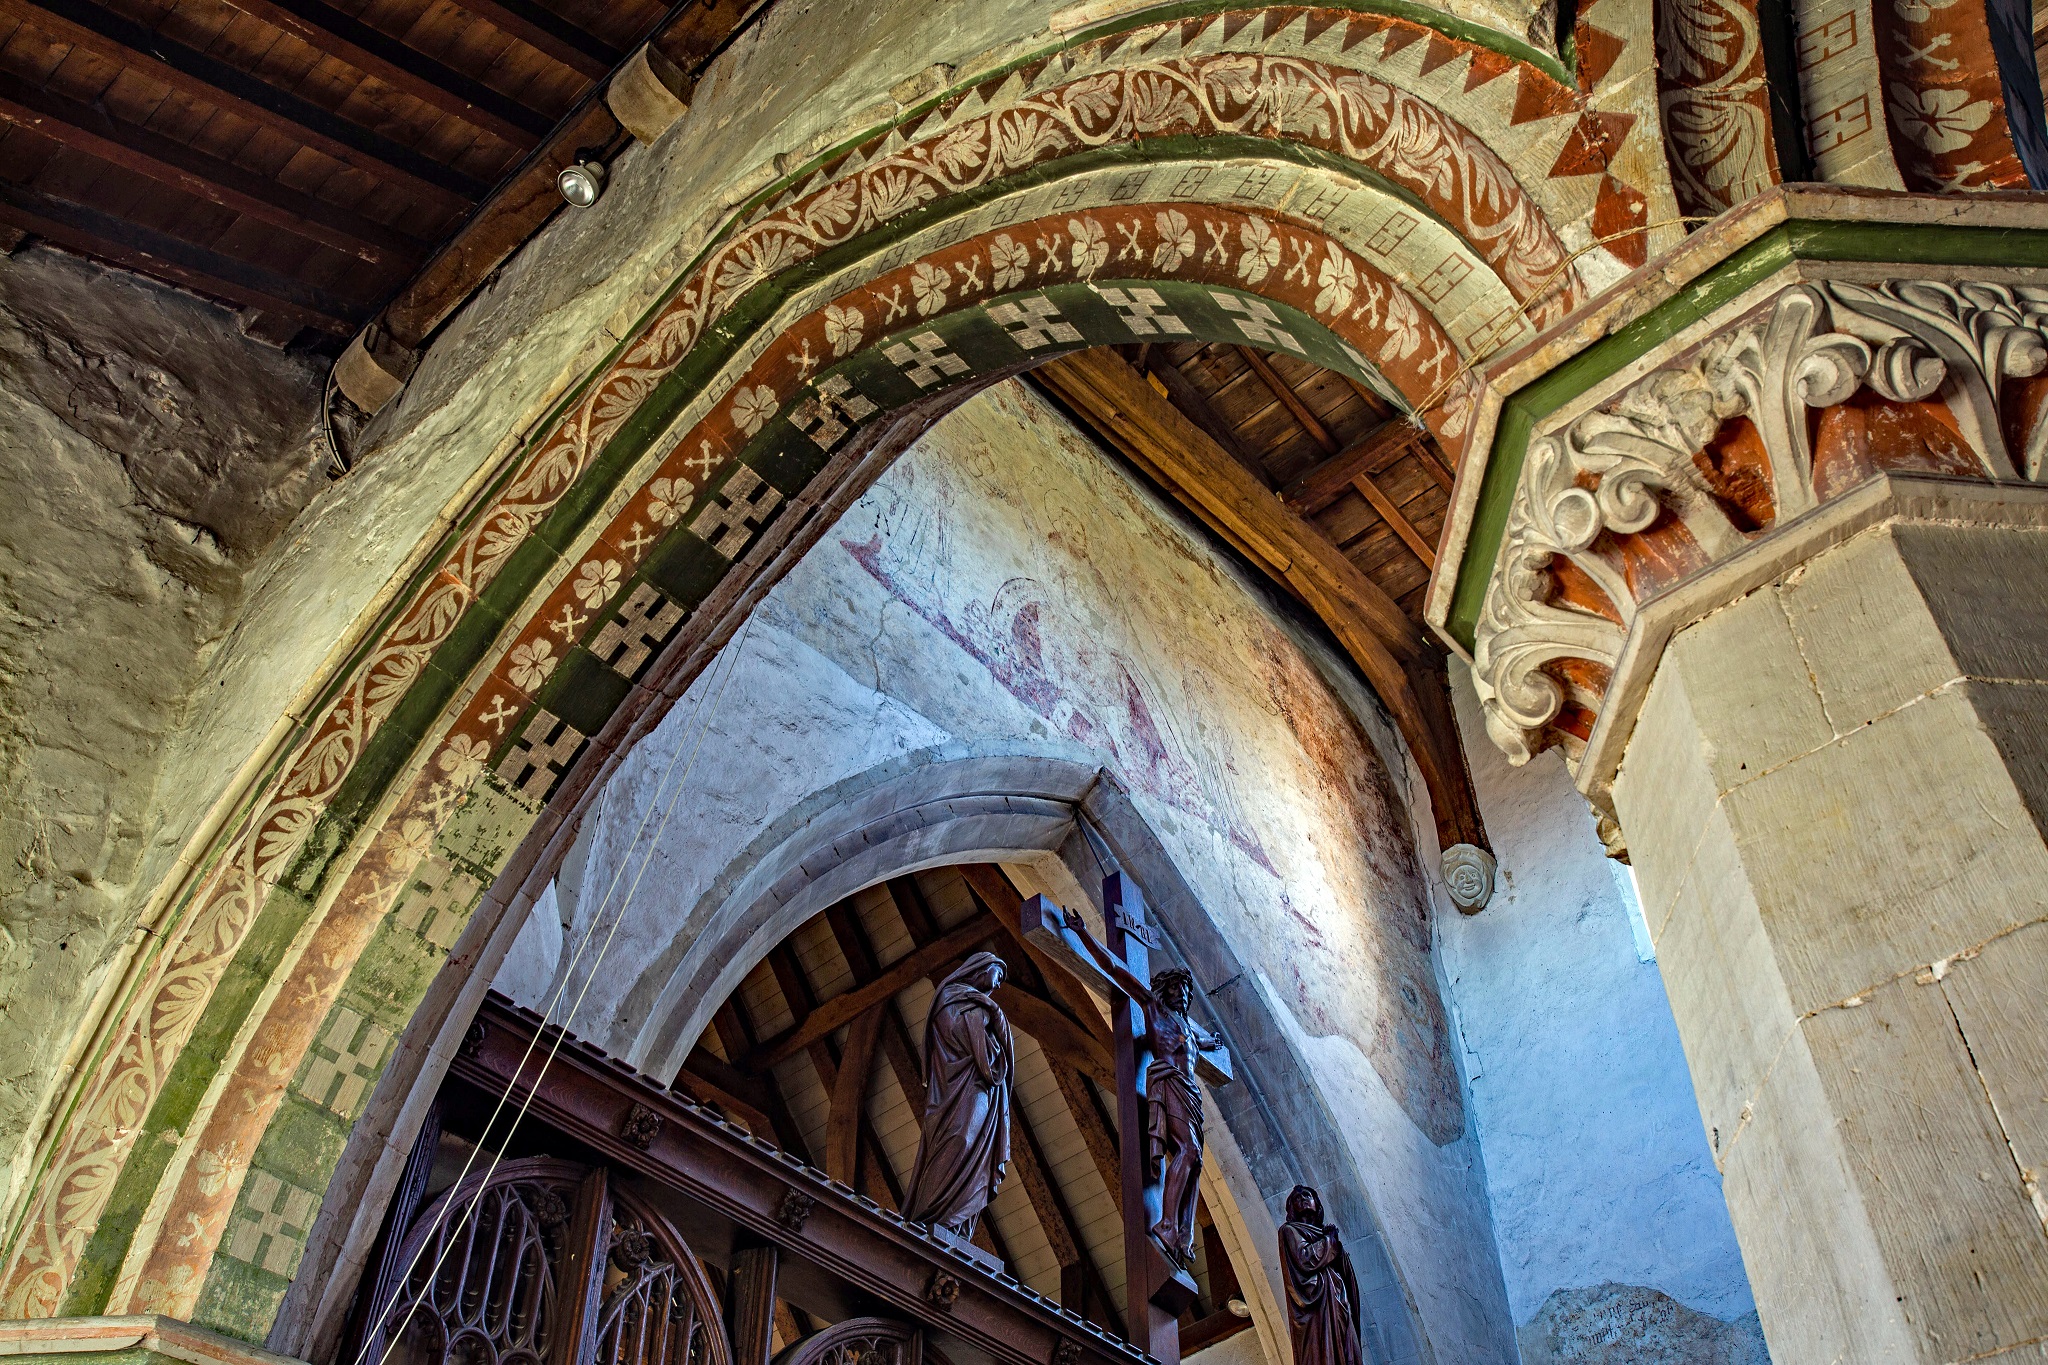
(1159, 1052)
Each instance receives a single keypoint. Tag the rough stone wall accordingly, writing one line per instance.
(1003, 589)
(149, 455)
(1614, 1234)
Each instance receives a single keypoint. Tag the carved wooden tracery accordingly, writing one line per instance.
(494, 1271)
(860, 1341)
(1775, 415)
(659, 1307)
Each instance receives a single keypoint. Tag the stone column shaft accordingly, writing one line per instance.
(1834, 799)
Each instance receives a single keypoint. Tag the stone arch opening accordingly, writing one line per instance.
(387, 783)
(1060, 823)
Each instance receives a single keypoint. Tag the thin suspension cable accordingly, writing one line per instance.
(707, 709)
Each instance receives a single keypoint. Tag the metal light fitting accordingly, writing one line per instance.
(581, 182)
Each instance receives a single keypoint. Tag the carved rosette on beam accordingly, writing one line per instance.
(1722, 452)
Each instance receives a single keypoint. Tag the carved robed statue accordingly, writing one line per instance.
(969, 1059)
(1322, 1291)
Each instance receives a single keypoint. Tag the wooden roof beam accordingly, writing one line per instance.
(708, 1080)
(1397, 519)
(1389, 648)
(1378, 449)
(147, 251)
(1289, 399)
(736, 1034)
(375, 53)
(1181, 391)
(546, 32)
(517, 209)
(994, 891)
(83, 128)
(1354, 468)
(843, 1009)
(189, 71)
(830, 1065)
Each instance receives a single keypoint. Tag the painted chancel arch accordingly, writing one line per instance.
(877, 282)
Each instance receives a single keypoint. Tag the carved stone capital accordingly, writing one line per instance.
(1744, 432)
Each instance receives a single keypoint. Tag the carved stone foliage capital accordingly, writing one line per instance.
(1827, 385)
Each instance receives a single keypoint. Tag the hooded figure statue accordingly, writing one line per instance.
(1322, 1293)
(968, 1061)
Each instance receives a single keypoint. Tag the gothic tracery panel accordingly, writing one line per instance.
(482, 1263)
(486, 1272)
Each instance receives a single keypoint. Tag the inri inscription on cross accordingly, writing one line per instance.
(1159, 1053)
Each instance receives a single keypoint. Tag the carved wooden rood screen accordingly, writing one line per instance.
(623, 1222)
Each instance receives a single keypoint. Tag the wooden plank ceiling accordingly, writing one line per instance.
(1336, 453)
(819, 1051)
(303, 160)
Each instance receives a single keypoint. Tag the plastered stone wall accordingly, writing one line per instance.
(1614, 1235)
(149, 456)
(1004, 589)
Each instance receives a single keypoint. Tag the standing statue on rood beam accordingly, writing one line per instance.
(1173, 1102)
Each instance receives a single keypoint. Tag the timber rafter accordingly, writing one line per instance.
(1388, 645)
(848, 1018)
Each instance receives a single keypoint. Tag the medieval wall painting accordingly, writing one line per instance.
(1004, 588)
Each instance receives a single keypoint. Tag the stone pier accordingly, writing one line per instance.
(1833, 799)
(1765, 558)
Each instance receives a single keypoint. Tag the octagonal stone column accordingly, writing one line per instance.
(1769, 562)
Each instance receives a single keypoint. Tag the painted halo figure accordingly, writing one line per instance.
(1173, 1102)
(969, 1057)
(1322, 1292)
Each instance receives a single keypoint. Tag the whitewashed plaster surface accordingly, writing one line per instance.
(1005, 589)
(1597, 1164)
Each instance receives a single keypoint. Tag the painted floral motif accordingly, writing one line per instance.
(1338, 279)
(843, 329)
(596, 581)
(751, 407)
(1940, 120)
(1091, 245)
(1943, 99)
(531, 664)
(1008, 263)
(463, 760)
(1261, 251)
(928, 285)
(1176, 240)
(666, 499)
(1716, 106)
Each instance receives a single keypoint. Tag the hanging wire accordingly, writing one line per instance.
(1089, 838)
(707, 710)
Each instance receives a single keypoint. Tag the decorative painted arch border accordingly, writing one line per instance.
(249, 1039)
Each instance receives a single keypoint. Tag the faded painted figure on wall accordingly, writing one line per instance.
(969, 1057)
(1322, 1291)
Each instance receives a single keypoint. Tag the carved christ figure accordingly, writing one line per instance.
(1322, 1293)
(1173, 1102)
(969, 1057)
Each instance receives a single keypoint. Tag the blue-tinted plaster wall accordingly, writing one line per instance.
(1614, 1238)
